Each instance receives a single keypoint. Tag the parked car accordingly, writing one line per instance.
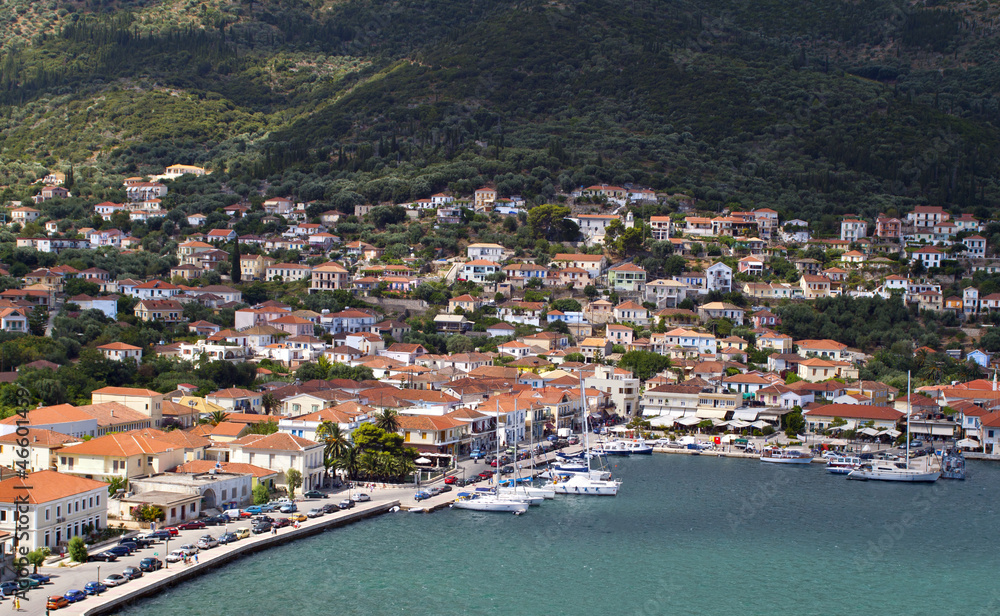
(507, 470)
(56, 602)
(434, 491)
(207, 542)
(147, 565)
(281, 523)
(191, 525)
(298, 517)
(103, 556)
(450, 479)
(242, 533)
(916, 443)
(421, 495)
(160, 535)
(115, 579)
(132, 573)
(120, 550)
(268, 508)
(446, 488)
(94, 588)
(75, 595)
(215, 520)
(346, 503)
(176, 556)
(228, 538)
(288, 508)
(135, 547)
(573, 440)
(261, 527)
(173, 530)
(10, 588)
(315, 512)
(142, 542)
(253, 510)
(40, 578)
(330, 508)
(485, 474)
(361, 497)
(314, 494)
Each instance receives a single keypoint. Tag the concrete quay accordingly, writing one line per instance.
(115, 598)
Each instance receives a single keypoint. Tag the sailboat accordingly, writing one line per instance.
(892, 470)
(516, 489)
(492, 499)
(585, 482)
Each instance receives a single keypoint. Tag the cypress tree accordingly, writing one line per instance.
(236, 273)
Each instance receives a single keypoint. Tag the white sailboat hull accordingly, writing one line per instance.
(489, 504)
(905, 475)
(579, 484)
(543, 493)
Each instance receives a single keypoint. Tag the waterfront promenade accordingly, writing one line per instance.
(70, 577)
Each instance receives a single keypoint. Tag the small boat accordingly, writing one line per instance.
(489, 502)
(580, 484)
(842, 465)
(952, 464)
(613, 448)
(553, 473)
(777, 455)
(639, 447)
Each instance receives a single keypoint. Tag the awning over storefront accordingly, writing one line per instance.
(711, 414)
(745, 414)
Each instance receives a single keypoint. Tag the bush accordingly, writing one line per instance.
(78, 550)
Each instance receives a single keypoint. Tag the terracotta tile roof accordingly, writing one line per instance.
(238, 468)
(38, 437)
(123, 445)
(46, 486)
(126, 391)
(279, 441)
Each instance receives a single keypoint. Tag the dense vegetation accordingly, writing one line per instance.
(815, 110)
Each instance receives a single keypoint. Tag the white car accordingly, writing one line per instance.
(191, 550)
(361, 498)
(115, 579)
(176, 556)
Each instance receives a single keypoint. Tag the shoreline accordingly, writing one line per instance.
(166, 578)
(211, 560)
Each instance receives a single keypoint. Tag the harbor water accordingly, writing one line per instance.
(685, 535)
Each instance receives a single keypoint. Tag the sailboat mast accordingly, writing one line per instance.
(909, 396)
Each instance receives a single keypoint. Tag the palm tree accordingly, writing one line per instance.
(349, 462)
(269, 402)
(335, 444)
(388, 420)
(218, 417)
(368, 463)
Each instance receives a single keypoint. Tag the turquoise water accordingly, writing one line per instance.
(686, 535)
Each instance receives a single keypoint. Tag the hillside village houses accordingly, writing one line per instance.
(450, 403)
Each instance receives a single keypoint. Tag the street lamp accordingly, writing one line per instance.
(98, 589)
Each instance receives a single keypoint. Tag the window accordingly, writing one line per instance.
(192, 507)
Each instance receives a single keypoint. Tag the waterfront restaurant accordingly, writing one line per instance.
(819, 417)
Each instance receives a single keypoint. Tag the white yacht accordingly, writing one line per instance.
(612, 448)
(529, 491)
(580, 484)
(489, 502)
(889, 470)
(900, 470)
(777, 455)
(842, 465)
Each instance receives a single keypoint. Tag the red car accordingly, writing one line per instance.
(173, 530)
(192, 525)
(486, 474)
(449, 480)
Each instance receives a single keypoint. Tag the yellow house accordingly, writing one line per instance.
(815, 370)
(432, 434)
(126, 454)
(145, 401)
(43, 446)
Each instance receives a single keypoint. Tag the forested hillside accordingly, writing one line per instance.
(813, 108)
